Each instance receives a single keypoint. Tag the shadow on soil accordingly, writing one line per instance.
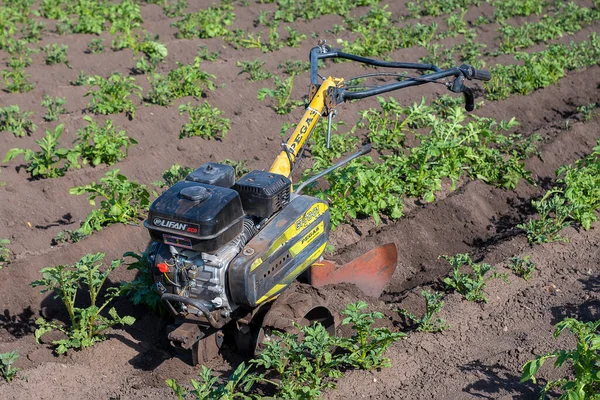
(505, 225)
(586, 311)
(497, 378)
(18, 325)
(65, 220)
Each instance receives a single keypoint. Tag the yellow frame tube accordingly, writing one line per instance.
(296, 142)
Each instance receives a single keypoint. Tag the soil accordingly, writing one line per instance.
(480, 356)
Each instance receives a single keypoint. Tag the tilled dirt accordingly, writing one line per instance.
(480, 356)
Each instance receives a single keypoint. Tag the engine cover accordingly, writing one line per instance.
(282, 250)
(196, 216)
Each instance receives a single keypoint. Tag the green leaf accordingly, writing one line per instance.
(12, 153)
(530, 369)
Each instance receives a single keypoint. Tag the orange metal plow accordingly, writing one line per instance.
(370, 272)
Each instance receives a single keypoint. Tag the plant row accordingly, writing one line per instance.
(446, 144)
(574, 200)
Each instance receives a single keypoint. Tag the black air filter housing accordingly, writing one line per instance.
(263, 193)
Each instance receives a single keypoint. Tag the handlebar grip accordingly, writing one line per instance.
(481, 75)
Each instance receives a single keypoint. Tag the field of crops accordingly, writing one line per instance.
(494, 212)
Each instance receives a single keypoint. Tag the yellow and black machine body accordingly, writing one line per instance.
(223, 249)
(286, 247)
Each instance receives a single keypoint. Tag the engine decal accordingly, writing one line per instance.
(310, 216)
(307, 239)
(292, 275)
(177, 241)
(179, 226)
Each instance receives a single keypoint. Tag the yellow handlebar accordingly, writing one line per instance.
(284, 161)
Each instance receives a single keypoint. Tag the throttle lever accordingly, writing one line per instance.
(469, 99)
(458, 86)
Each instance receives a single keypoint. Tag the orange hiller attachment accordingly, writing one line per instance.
(370, 272)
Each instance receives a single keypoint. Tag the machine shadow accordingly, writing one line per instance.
(497, 377)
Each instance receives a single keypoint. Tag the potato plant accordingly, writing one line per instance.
(124, 16)
(113, 94)
(584, 380)
(174, 8)
(153, 53)
(56, 54)
(86, 325)
(123, 201)
(469, 52)
(259, 40)
(16, 80)
(294, 67)
(457, 26)
(32, 30)
(250, 40)
(522, 267)
(54, 106)
(92, 16)
(290, 11)
(366, 347)
(505, 9)
(575, 199)
(589, 111)
(8, 27)
(142, 289)
(102, 145)
(15, 121)
(282, 94)
(205, 121)
(254, 69)
(173, 175)
(428, 322)
(20, 54)
(238, 383)
(387, 128)
(300, 369)
(206, 23)
(5, 253)
(206, 55)
(51, 161)
(81, 80)
(470, 285)
(96, 46)
(7, 371)
(239, 167)
(185, 80)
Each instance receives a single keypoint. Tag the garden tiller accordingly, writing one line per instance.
(223, 251)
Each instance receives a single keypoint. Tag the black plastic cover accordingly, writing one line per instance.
(196, 216)
(215, 174)
(263, 193)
